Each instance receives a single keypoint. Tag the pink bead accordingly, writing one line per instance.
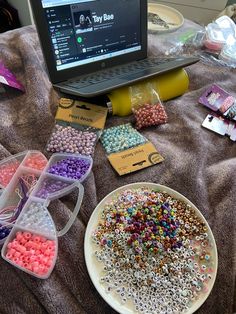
(31, 252)
(35, 263)
(20, 263)
(22, 241)
(29, 267)
(42, 239)
(35, 269)
(44, 260)
(15, 260)
(26, 259)
(27, 235)
(44, 246)
(29, 244)
(49, 263)
(12, 251)
(9, 245)
(9, 256)
(33, 258)
(21, 258)
(21, 248)
(17, 254)
(47, 252)
(36, 238)
(19, 235)
(14, 245)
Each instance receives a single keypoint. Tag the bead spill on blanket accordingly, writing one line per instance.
(155, 251)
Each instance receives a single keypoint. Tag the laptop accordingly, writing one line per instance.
(94, 46)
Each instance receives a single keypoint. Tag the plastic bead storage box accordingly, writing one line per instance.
(30, 182)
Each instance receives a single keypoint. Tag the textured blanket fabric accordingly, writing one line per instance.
(198, 163)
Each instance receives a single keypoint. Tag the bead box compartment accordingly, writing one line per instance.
(34, 218)
(97, 270)
(60, 157)
(27, 253)
(8, 167)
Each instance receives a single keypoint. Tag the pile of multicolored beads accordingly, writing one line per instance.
(149, 115)
(155, 251)
(119, 138)
(70, 140)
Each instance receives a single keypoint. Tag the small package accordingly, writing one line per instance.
(78, 127)
(146, 106)
(128, 150)
(217, 99)
(220, 125)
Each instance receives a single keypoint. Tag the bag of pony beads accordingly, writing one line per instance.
(69, 139)
(146, 106)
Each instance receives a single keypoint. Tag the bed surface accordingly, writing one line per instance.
(198, 163)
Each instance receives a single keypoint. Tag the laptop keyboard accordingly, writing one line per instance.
(115, 72)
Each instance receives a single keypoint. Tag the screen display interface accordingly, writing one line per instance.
(91, 30)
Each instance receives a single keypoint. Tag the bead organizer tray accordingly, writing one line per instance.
(148, 249)
(31, 243)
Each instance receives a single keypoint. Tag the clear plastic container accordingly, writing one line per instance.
(228, 54)
(31, 241)
(214, 39)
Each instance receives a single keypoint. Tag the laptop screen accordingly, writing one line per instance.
(86, 31)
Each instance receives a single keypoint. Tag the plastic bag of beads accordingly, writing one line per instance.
(69, 139)
(78, 127)
(120, 138)
(146, 106)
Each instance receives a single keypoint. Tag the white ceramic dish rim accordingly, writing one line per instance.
(173, 10)
(114, 302)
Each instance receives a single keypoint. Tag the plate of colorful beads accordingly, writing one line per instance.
(148, 249)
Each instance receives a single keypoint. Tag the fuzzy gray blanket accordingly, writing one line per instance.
(198, 163)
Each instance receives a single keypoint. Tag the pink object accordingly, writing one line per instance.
(35, 253)
(148, 115)
(211, 45)
(9, 256)
(7, 171)
(36, 161)
(19, 236)
(23, 241)
(7, 78)
(36, 239)
(17, 254)
(27, 235)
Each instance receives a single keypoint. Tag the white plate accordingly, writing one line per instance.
(95, 268)
(165, 19)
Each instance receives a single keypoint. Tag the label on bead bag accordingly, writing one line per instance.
(82, 113)
(136, 158)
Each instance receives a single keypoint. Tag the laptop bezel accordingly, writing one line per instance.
(66, 74)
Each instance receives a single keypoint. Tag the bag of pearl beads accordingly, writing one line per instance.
(146, 106)
(73, 138)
